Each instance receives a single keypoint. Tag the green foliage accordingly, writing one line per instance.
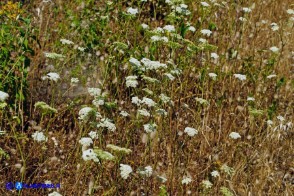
(15, 52)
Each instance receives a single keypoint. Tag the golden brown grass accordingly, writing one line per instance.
(262, 158)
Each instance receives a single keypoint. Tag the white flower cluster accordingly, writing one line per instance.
(191, 131)
(132, 11)
(274, 26)
(3, 96)
(150, 127)
(51, 76)
(240, 76)
(124, 113)
(206, 184)
(186, 180)
(53, 55)
(65, 41)
(152, 65)
(54, 193)
(86, 141)
(164, 98)
(148, 64)
(84, 113)
(105, 122)
(157, 38)
(125, 171)
(169, 28)
(147, 171)
(93, 134)
(94, 91)
(169, 76)
(235, 135)
(131, 81)
(206, 32)
(90, 155)
(149, 102)
(39, 136)
(144, 112)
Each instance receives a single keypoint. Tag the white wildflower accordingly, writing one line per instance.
(214, 174)
(290, 11)
(280, 118)
(149, 102)
(212, 75)
(206, 32)
(191, 28)
(164, 98)
(53, 55)
(214, 55)
(207, 184)
(246, 9)
(86, 141)
(51, 76)
(271, 76)
(269, 123)
(158, 30)
(39, 136)
(145, 26)
(81, 49)
(144, 112)
(235, 135)
(147, 171)
(98, 101)
(65, 41)
(54, 194)
(169, 76)
(149, 128)
(90, 155)
(152, 65)
(191, 131)
(186, 180)
(131, 81)
(74, 81)
(84, 113)
(135, 62)
(132, 11)
(240, 76)
(162, 178)
(125, 171)
(169, 28)
(274, 49)
(250, 99)
(3, 96)
(94, 91)
(242, 19)
(93, 134)
(204, 4)
(124, 113)
(274, 26)
(202, 40)
(136, 101)
(105, 122)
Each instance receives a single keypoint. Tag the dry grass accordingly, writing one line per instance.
(262, 159)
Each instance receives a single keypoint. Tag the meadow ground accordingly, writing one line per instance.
(147, 97)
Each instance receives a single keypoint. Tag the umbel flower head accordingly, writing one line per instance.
(125, 171)
(3, 96)
(90, 155)
(45, 108)
(39, 136)
(103, 155)
(51, 76)
(84, 113)
(118, 149)
(146, 172)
